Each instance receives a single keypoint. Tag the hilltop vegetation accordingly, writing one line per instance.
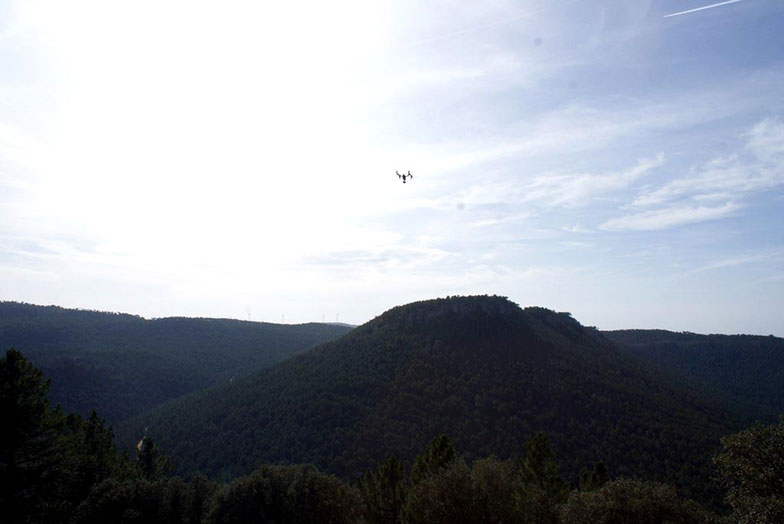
(479, 369)
(122, 364)
(745, 372)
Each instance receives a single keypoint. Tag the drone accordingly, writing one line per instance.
(409, 175)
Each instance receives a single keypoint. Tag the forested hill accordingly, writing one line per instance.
(478, 369)
(122, 364)
(747, 371)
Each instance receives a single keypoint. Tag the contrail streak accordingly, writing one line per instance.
(703, 7)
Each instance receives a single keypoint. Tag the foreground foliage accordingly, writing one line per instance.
(48, 461)
(623, 501)
(752, 470)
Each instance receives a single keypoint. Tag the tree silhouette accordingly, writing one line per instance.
(438, 456)
(28, 438)
(384, 491)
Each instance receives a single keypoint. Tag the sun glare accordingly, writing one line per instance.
(210, 124)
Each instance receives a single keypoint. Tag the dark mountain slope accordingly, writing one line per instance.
(746, 372)
(122, 364)
(479, 369)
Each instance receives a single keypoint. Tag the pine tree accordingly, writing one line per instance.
(539, 468)
(438, 456)
(150, 463)
(29, 439)
(384, 491)
(541, 487)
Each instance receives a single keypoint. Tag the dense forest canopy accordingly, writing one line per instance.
(479, 369)
(745, 371)
(63, 468)
(122, 364)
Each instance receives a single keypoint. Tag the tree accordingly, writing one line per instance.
(197, 495)
(29, 439)
(457, 494)
(90, 456)
(444, 496)
(493, 490)
(624, 500)
(291, 494)
(540, 469)
(150, 463)
(384, 491)
(751, 468)
(591, 480)
(541, 487)
(438, 456)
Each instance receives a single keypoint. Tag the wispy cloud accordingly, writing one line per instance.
(778, 277)
(577, 228)
(719, 177)
(18, 155)
(27, 273)
(766, 140)
(669, 217)
(715, 189)
(397, 256)
(571, 190)
(740, 260)
(703, 8)
(492, 68)
(508, 19)
(572, 130)
(500, 220)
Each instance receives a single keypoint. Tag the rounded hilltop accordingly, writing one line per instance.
(426, 310)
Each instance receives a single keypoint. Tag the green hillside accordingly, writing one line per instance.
(746, 372)
(122, 364)
(478, 369)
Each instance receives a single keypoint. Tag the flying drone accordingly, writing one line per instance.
(409, 175)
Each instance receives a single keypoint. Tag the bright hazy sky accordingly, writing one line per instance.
(237, 159)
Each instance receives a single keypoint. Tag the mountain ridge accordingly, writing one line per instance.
(480, 369)
(120, 364)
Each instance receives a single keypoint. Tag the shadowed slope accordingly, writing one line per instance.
(744, 372)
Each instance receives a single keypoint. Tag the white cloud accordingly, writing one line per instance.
(571, 190)
(731, 175)
(578, 229)
(715, 189)
(669, 217)
(391, 257)
(758, 166)
(766, 140)
(26, 273)
(739, 260)
(500, 220)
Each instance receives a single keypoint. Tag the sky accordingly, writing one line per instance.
(622, 161)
